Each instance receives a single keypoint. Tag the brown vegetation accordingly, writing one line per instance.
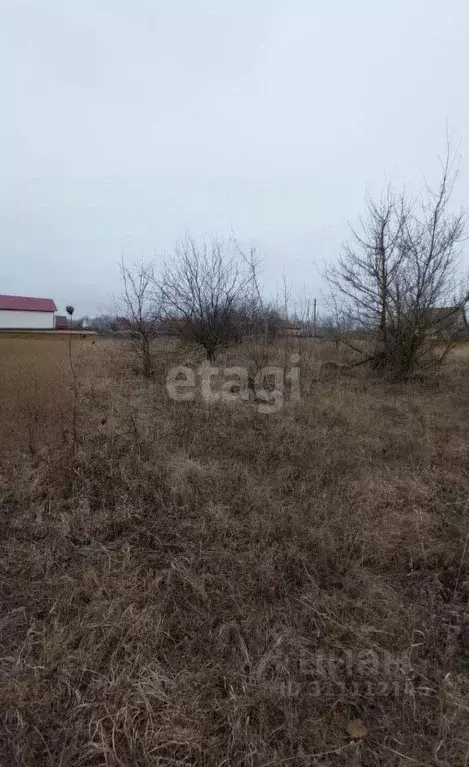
(207, 585)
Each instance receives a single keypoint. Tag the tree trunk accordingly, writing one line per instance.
(146, 358)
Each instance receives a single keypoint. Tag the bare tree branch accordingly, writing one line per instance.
(399, 279)
(140, 310)
(211, 292)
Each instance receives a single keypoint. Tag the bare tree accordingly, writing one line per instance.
(210, 292)
(263, 316)
(140, 310)
(305, 312)
(398, 283)
(70, 310)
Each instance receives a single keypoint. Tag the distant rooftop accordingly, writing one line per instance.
(61, 322)
(27, 304)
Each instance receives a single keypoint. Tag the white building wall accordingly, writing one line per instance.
(26, 320)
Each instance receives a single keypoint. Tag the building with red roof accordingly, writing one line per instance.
(61, 322)
(27, 313)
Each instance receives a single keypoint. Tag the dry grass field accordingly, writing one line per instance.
(203, 584)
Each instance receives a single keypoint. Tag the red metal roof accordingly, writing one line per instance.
(61, 322)
(27, 304)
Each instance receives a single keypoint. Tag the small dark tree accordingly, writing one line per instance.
(139, 307)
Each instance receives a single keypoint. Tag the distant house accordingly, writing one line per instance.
(447, 322)
(61, 322)
(26, 313)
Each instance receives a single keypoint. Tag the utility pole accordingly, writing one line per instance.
(314, 318)
(285, 296)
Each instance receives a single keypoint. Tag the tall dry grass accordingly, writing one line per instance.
(207, 585)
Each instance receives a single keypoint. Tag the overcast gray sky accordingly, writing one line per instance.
(126, 122)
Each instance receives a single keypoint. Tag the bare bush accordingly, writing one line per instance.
(398, 281)
(211, 293)
(140, 310)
